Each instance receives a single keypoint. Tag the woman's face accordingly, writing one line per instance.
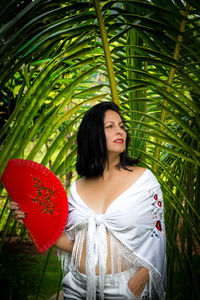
(114, 132)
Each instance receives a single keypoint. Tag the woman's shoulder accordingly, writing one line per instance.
(137, 169)
(145, 173)
(82, 182)
(131, 174)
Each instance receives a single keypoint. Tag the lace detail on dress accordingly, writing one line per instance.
(121, 256)
(133, 263)
(76, 234)
(78, 246)
(65, 258)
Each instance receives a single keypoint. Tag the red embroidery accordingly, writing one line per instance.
(158, 225)
(157, 215)
(156, 197)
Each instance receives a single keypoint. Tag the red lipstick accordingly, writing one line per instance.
(120, 141)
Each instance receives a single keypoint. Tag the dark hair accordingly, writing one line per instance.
(91, 142)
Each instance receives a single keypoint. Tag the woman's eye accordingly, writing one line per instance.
(122, 127)
(109, 126)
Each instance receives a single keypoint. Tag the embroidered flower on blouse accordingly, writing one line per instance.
(158, 225)
(157, 214)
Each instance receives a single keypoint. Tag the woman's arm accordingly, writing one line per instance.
(63, 242)
(137, 282)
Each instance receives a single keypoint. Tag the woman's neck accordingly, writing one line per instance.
(110, 167)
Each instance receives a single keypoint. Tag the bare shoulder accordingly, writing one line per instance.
(137, 170)
(84, 182)
(133, 174)
(80, 181)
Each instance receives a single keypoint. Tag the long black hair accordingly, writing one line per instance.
(91, 142)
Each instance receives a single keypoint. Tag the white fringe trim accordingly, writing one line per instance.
(97, 254)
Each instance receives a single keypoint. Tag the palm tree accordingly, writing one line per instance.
(59, 57)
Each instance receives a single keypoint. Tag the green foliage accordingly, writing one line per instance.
(19, 273)
(54, 65)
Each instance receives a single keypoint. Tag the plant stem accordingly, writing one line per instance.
(170, 81)
(109, 64)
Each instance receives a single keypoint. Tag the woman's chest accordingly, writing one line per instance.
(126, 211)
(99, 197)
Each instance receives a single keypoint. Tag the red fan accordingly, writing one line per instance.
(41, 195)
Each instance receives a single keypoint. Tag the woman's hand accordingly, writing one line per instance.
(63, 241)
(17, 213)
(137, 283)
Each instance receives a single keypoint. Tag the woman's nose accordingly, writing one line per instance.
(120, 131)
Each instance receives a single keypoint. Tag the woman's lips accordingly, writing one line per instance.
(120, 141)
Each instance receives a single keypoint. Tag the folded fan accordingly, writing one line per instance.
(41, 195)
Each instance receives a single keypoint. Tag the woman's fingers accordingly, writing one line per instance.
(17, 213)
(19, 216)
(14, 205)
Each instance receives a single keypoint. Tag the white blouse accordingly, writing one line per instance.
(135, 223)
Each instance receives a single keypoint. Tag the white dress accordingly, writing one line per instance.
(135, 223)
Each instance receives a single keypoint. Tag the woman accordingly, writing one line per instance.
(115, 230)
